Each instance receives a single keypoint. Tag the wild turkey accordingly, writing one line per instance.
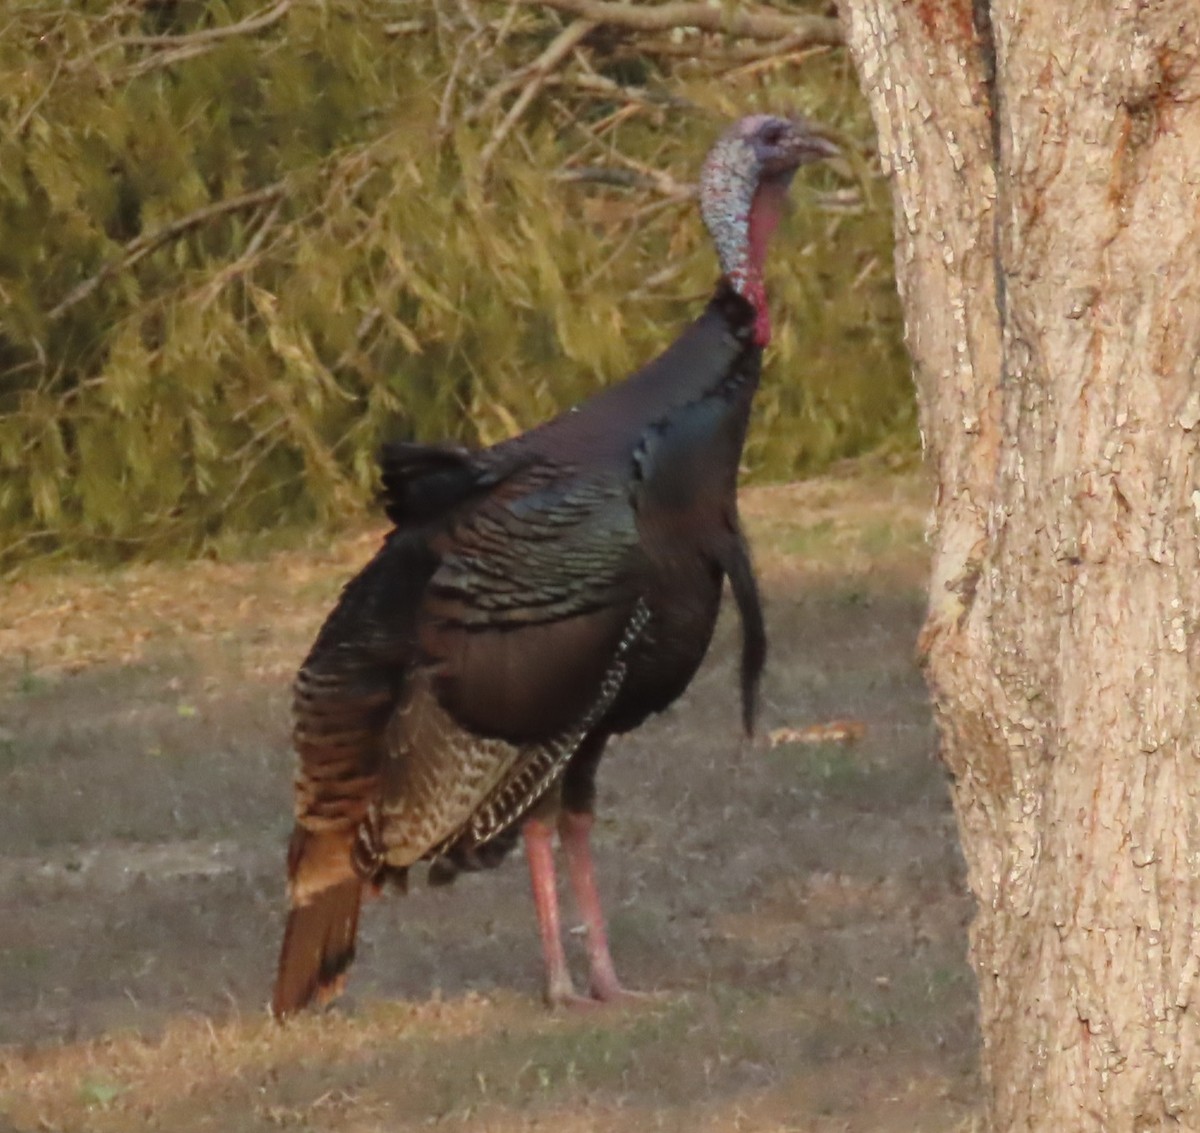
(533, 599)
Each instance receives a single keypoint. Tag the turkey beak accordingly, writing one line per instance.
(810, 146)
(802, 148)
(820, 149)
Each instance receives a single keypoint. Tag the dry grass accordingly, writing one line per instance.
(487, 1063)
(802, 907)
(81, 617)
(85, 616)
(842, 526)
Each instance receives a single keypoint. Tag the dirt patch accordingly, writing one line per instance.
(800, 908)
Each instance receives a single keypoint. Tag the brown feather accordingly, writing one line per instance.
(318, 942)
(523, 683)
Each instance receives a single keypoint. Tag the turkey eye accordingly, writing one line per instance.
(773, 135)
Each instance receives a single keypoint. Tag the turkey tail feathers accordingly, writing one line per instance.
(318, 946)
(421, 481)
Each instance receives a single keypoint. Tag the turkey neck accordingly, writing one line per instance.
(743, 257)
(715, 356)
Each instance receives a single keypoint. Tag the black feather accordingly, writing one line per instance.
(742, 581)
(422, 482)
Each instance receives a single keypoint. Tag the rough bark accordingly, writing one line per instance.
(1044, 158)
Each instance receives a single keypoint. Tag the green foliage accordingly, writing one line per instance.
(233, 259)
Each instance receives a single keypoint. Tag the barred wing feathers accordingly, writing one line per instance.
(527, 608)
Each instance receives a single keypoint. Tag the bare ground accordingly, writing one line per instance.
(800, 909)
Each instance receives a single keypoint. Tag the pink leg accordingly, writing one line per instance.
(574, 830)
(539, 851)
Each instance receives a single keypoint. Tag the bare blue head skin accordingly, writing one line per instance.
(742, 187)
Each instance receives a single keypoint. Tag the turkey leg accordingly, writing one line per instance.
(539, 851)
(574, 831)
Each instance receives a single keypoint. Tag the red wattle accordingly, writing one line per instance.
(765, 210)
(762, 328)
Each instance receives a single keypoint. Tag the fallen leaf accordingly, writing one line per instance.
(832, 732)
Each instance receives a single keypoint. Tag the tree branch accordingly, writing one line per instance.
(141, 247)
(158, 59)
(172, 49)
(245, 262)
(738, 52)
(209, 35)
(802, 30)
(592, 83)
(32, 109)
(560, 47)
(626, 179)
(446, 108)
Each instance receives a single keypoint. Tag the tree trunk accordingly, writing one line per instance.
(1044, 157)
